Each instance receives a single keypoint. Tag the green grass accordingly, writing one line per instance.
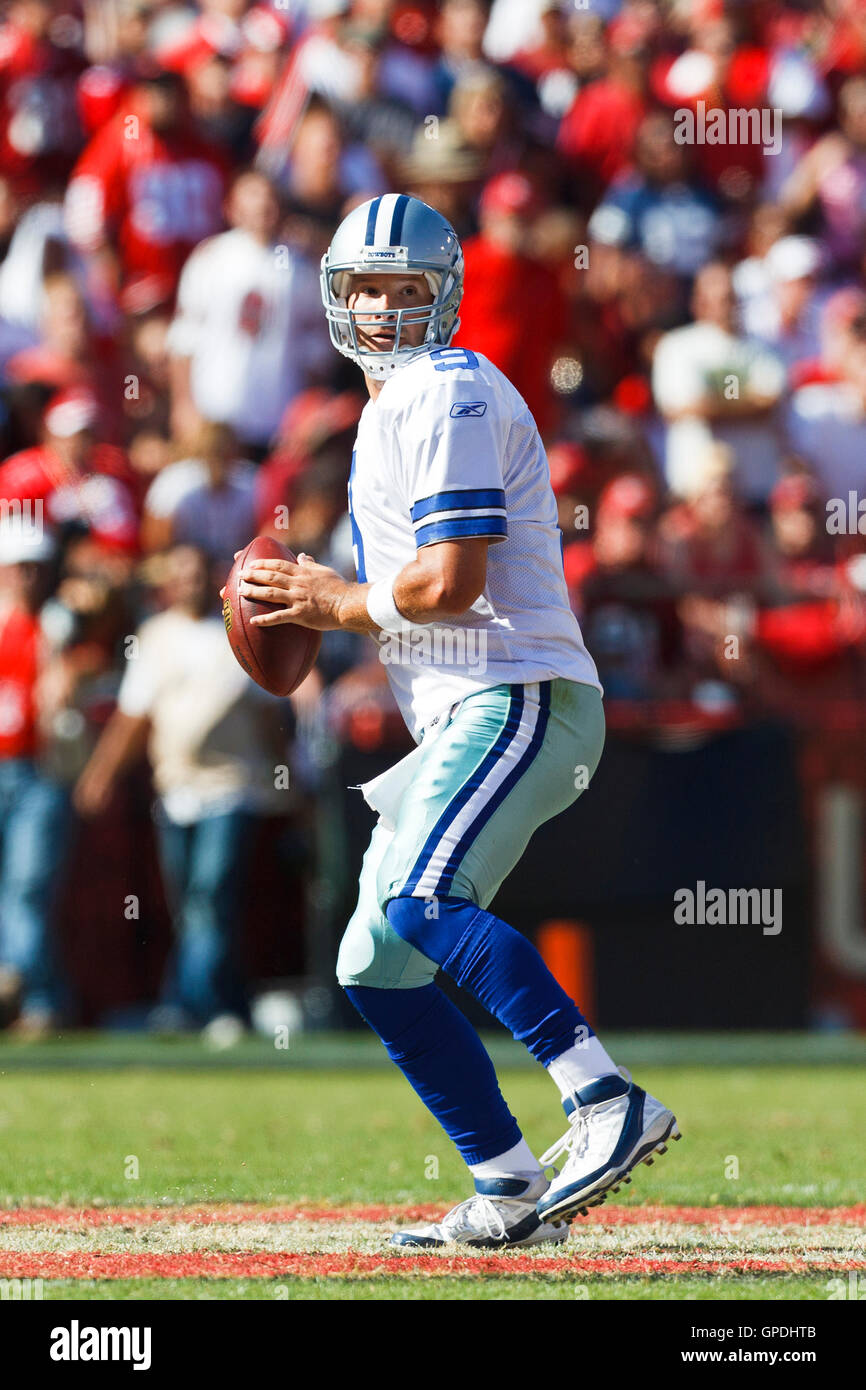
(304, 1131)
(364, 1137)
(359, 1049)
(478, 1288)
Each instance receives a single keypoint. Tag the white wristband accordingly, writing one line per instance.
(382, 608)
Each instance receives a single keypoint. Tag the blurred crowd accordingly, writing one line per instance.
(685, 316)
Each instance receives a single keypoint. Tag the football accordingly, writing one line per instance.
(277, 658)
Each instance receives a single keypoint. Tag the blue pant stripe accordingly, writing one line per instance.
(504, 740)
(505, 737)
(443, 887)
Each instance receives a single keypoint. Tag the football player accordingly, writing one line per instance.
(460, 580)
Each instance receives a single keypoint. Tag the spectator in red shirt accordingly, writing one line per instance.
(76, 482)
(147, 182)
(597, 134)
(507, 292)
(39, 129)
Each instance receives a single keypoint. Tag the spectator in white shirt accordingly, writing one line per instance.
(710, 382)
(214, 740)
(249, 332)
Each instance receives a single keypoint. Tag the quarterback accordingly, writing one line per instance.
(454, 527)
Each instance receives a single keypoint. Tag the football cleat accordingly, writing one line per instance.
(501, 1214)
(614, 1127)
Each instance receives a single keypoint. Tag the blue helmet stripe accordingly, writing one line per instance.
(397, 219)
(371, 221)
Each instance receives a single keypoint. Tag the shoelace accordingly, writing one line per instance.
(574, 1141)
(576, 1138)
(460, 1218)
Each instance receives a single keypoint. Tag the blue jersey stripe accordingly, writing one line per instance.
(458, 499)
(461, 528)
(489, 761)
(371, 221)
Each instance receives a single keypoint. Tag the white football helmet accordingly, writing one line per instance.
(399, 235)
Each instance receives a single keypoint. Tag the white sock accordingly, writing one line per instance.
(518, 1161)
(582, 1063)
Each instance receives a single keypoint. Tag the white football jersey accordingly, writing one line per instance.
(449, 449)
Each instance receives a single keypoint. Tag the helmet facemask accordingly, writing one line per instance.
(440, 317)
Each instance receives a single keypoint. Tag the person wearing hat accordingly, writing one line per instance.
(781, 311)
(80, 483)
(34, 818)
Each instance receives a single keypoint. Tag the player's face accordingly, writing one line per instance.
(375, 297)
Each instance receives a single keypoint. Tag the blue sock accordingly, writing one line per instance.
(498, 966)
(444, 1060)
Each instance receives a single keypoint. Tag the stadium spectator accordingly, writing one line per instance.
(68, 354)
(779, 308)
(621, 596)
(832, 175)
(804, 559)
(83, 485)
(146, 185)
(315, 419)
(658, 207)
(39, 127)
(827, 419)
(176, 479)
(506, 289)
(598, 132)
(445, 173)
(708, 543)
(710, 382)
(214, 740)
(36, 686)
(323, 170)
(249, 332)
(217, 516)
(483, 112)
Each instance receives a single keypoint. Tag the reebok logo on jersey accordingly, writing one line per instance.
(461, 409)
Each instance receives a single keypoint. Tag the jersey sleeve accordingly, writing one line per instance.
(452, 438)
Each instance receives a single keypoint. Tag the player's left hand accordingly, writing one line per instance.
(309, 594)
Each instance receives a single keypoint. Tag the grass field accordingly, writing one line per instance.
(183, 1179)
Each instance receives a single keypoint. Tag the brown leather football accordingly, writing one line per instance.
(278, 658)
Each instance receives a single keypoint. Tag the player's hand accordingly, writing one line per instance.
(308, 594)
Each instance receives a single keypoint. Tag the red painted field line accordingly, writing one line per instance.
(263, 1265)
(223, 1213)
